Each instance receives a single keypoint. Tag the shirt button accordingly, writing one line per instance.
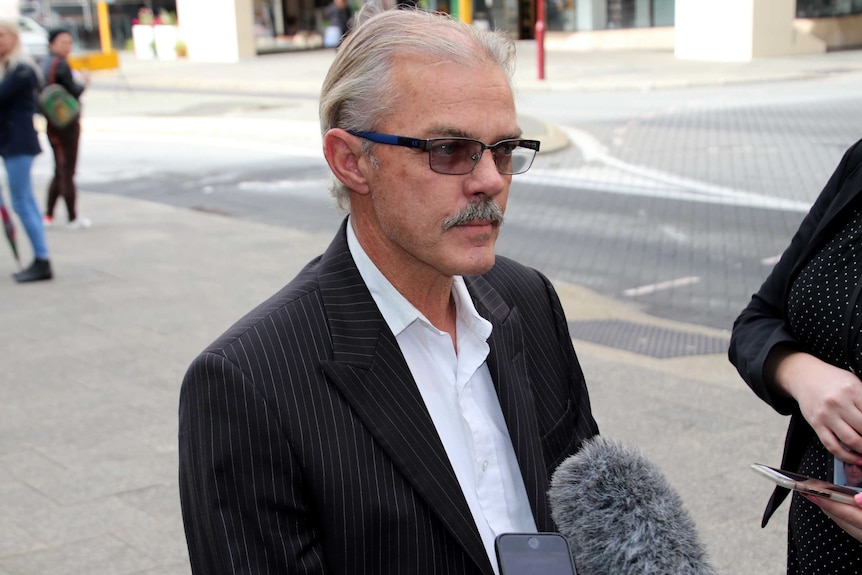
(485, 465)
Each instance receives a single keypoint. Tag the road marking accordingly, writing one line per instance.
(652, 288)
(674, 234)
(631, 179)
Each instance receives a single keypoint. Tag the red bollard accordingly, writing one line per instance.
(540, 36)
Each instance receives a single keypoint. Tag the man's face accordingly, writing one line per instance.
(408, 203)
(853, 473)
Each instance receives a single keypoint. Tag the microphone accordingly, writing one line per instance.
(621, 516)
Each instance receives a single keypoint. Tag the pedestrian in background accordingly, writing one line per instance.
(339, 15)
(64, 141)
(798, 346)
(19, 144)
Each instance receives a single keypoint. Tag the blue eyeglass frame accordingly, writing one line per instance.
(420, 144)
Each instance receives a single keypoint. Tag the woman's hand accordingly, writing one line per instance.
(830, 399)
(847, 517)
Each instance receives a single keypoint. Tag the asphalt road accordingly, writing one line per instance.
(675, 200)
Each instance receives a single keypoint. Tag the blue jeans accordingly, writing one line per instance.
(21, 189)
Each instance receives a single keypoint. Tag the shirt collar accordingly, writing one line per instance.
(397, 311)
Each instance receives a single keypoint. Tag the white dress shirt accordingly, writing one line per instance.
(460, 397)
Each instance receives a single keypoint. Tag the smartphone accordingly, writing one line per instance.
(808, 485)
(534, 554)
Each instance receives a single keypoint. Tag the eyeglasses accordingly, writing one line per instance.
(459, 156)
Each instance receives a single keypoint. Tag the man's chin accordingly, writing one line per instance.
(479, 265)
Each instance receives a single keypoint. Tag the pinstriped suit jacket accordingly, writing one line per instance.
(305, 446)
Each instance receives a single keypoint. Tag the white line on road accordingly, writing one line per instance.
(651, 288)
(643, 181)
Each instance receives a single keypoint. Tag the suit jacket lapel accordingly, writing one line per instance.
(371, 373)
(507, 365)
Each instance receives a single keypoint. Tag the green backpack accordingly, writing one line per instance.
(58, 106)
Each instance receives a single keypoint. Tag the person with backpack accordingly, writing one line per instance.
(64, 140)
(19, 144)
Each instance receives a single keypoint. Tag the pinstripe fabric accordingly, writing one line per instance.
(305, 446)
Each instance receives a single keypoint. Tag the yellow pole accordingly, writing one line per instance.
(465, 11)
(107, 58)
(104, 27)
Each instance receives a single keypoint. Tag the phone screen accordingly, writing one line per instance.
(534, 554)
(806, 484)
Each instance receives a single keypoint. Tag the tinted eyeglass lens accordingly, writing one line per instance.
(507, 157)
(511, 158)
(459, 157)
(520, 160)
(456, 157)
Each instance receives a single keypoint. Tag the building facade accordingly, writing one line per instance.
(260, 26)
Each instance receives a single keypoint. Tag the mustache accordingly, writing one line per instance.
(486, 210)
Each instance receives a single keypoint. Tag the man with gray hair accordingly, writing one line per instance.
(405, 398)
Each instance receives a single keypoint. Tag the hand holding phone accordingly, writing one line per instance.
(534, 554)
(809, 485)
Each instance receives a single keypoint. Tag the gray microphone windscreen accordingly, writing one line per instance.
(621, 516)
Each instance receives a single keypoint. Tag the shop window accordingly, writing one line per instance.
(827, 8)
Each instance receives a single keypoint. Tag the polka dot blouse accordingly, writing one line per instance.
(824, 314)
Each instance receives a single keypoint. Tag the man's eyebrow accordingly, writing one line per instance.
(450, 132)
(447, 131)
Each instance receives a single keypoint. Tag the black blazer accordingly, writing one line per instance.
(305, 446)
(762, 324)
(17, 106)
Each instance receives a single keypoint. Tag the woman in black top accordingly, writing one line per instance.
(797, 344)
(64, 141)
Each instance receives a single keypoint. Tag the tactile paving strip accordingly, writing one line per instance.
(650, 340)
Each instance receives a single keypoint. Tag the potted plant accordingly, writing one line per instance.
(165, 35)
(143, 35)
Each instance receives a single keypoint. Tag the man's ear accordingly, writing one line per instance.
(343, 153)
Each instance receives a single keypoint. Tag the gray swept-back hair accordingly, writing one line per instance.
(358, 92)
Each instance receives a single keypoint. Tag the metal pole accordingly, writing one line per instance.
(87, 13)
(540, 36)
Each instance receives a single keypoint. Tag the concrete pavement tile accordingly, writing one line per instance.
(164, 543)
(87, 413)
(25, 462)
(61, 525)
(82, 486)
(126, 446)
(92, 461)
(751, 546)
(21, 500)
(96, 556)
(160, 501)
(179, 569)
(15, 540)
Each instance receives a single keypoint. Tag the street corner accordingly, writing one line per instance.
(553, 139)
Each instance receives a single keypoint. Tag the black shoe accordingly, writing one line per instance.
(39, 270)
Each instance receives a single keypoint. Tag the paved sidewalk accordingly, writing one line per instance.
(302, 73)
(92, 362)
